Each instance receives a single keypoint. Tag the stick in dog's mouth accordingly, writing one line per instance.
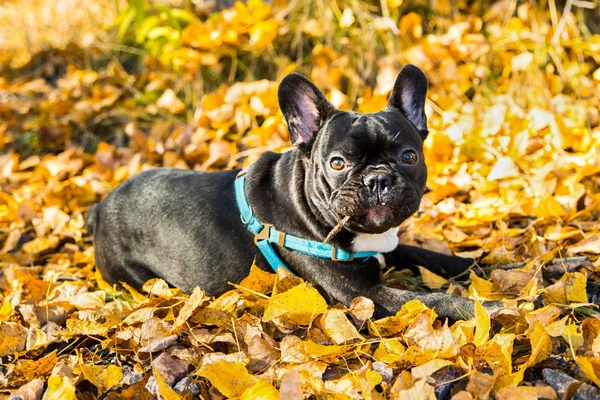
(336, 229)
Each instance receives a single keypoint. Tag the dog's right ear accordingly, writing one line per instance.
(304, 107)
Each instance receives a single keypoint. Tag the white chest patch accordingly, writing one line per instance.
(380, 242)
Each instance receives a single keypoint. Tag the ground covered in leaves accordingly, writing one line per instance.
(514, 165)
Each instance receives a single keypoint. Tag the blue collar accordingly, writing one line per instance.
(266, 234)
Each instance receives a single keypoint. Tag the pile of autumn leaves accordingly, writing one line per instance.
(274, 335)
(514, 177)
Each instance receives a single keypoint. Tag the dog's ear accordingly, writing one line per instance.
(408, 97)
(304, 107)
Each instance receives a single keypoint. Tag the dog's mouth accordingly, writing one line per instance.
(362, 212)
(377, 218)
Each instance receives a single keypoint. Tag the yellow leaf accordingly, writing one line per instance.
(484, 289)
(374, 378)
(140, 315)
(541, 344)
(89, 300)
(526, 393)
(570, 288)
(40, 244)
(189, 306)
(547, 206)
(504, 168)
(299, 305)
(102, 376)
(410, 311)
(165, 392)
(425, 370)
(79, 327)
(6, 310)
(337, 326)
(229, 378)
(421, 390)
(258, 280)
(590, 367)
(411, 24)
(60, 388)
(389, 350)
(497, 352)
(102, 284)
(482, 327)
(137, 296)
(159, 288)
(316, 350)
(431, 280)
(261, 390)
(573, 336)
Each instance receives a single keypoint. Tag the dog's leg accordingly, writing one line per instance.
(389, 300)
(440, 264)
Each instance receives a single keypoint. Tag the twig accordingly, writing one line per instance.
(336, 229)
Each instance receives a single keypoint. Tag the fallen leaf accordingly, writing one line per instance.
(590, 244)
(290, 386)
(101, 376)
(189, 306)
(526, 393)
(230, 378)
(165, 392)
(337, 326)
(260, 390)
(13, 338)
(59, 388)
(299, 305)
(590, 367)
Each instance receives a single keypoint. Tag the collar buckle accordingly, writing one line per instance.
(264, 234)
(334, 256)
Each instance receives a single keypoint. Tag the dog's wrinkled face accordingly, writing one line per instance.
(369, 167)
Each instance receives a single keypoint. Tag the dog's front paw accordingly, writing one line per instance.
(492, 307)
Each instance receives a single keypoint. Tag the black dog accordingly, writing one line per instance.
(185, 226)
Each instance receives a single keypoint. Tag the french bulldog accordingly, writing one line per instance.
(366, 170)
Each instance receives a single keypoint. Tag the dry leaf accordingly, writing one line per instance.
(299, 305)
(59, 388)
(337, 326)
(103, 377)
(230, 378)
(12, 338)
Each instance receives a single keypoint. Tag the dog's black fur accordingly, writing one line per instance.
(185, 226)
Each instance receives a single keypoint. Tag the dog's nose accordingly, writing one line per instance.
(377, 182)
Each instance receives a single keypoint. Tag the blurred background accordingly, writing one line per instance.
(92, 92)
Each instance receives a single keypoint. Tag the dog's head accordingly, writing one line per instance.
(369, 167)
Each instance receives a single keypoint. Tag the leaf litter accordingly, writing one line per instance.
(514, 179)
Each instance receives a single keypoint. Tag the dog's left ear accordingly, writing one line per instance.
(408, 97)
(304, 107)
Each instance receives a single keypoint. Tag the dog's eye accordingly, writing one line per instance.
(409, 157)
(337, 163)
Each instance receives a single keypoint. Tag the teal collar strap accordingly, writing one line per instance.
(265, 235)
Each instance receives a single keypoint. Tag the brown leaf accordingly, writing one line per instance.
(32, 390)
(290, 386)
(526, 393)
(13, 338)
(361, 310)
(196, 299)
